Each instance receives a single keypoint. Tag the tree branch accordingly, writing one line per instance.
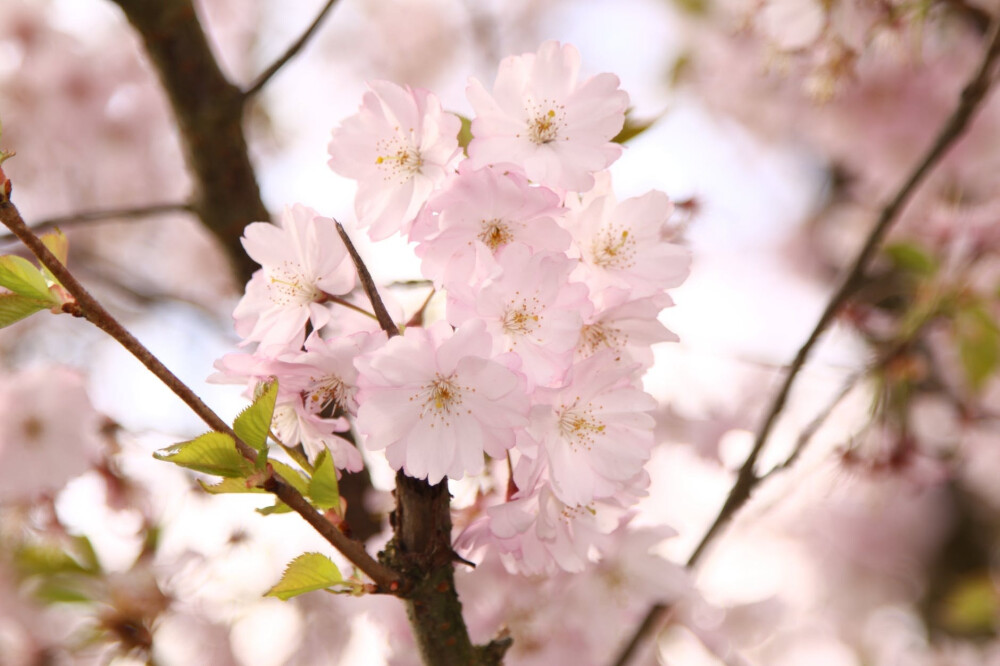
(969, 102)
(89, 308)
(209, 112)
(86, 216)
(292, 51)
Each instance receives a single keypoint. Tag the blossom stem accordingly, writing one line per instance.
(89, 308)
(330, 298)
(972, 97)
(381, 314)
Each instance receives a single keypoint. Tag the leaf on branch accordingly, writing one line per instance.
(911, 258)
(231, 485)
(978, 338)
(465, 133)
(254, 422)
(14, 308)
(212, 453)
(632, 128)
(293, 476)
(274, 509)
(323, 488)
(22, 277)
(307, 572)
(58, 244)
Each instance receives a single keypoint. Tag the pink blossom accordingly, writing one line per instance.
(478, 213)
(436, 402)
(399, 147)
(541, 118)
(303, 260)
(597, 430)
(531, 309)
(628, 328)
(622, 246)
(49, 432)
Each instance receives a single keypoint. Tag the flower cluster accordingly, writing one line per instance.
(551, 288)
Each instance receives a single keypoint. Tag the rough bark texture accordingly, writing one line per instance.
(209, 112)
(422, 551)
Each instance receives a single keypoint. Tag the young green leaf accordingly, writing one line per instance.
(293, 476)
(254, 422)
(274, 509)
(22, 277)
(323, 489)
(14, 308)
(307, 572)
(464, 133)
(911, 258)
(58, 245)
(212, 453)
(231, 485)
(978, 337)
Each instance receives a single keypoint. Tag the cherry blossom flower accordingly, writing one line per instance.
(622, 246)
(543, 119)
(49, 432)
(531, 309)
(475, 215)
(399, 147)
(628, 327)
(436, 402)
(596, 431)
(303, 260)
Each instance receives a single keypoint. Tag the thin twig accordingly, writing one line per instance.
(268, 73)
(88, 307)
(384, 320)
(971, 99)
(82, 217)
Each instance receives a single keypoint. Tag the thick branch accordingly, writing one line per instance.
(88, 307)
(971, 99)
(292, 51)
(209, 111)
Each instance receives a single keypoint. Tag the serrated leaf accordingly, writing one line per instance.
(978, 339)
(911, 258)
(254, 422)
(231, 485)
(292, 475)
(14, 308)
(22, 277)
(465, 133)
(212, 453)
(323, 488)
(307, 572)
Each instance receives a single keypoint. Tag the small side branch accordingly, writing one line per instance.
(101, 215)
(747, 479)
(384, 320)
(265, 76)
(89, 308)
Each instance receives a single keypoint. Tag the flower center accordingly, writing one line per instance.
(521, 316)
(32, 428)
(328, 391)
(579, 427)
(288, 286)
(597, 335)
(614, 249)
(442, 400)
(397, 159)
(546, 122)
(495, 233)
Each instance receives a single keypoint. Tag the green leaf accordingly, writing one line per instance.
(212, 453)
(633, 127)
(323, 489)
(254, 422)
(911, 258)
(292, 475)
(44, 560)
(231, 485)
(464, 133)
(58, 245)
(307, 572)
(978, 339)
(14, 308)
(63, 591)
(22, 277)
(274, 509)
(971, 606)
